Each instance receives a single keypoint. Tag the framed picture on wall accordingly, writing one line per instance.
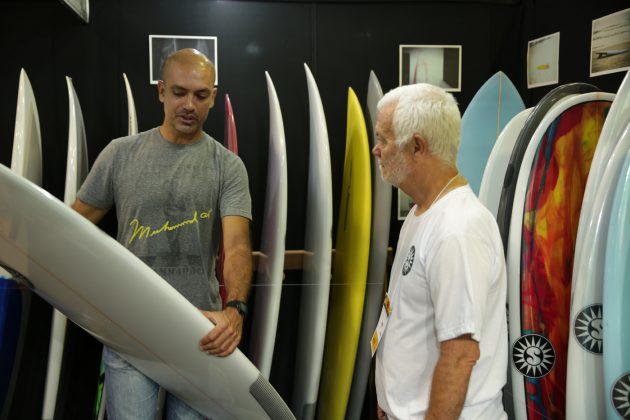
(542, 60)
(80, 7)
(440, 65)
(405, 203)
(610, 43)
(161, 46)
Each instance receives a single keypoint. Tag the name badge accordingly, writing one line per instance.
(382, 323)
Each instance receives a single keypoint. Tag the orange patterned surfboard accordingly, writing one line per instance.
(550, 220)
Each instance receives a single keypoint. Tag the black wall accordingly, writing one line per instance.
(340, 41)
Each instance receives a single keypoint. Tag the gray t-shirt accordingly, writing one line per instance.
(169, 200)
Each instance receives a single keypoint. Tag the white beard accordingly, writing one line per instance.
(398, 168)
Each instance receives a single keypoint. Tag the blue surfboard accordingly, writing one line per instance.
(616, 295)
(492, 107)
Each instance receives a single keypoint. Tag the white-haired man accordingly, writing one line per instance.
(442, 337)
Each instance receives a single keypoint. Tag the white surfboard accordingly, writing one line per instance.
(317, 262)
(76, 171)
(26, 158)
(616, 355)
(271, 262)
(83, 272)
(132, 129)
(381, 211)
(587, 400)
(494, 172)
(26, 161)
(132, 121)
(515, 236)
(490, 196)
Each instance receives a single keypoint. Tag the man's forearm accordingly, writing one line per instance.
(237, 273)
(448, 390)
(451, 378)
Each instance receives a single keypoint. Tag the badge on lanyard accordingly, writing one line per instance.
(386, 311)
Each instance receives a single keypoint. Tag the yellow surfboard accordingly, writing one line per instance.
(347, 291)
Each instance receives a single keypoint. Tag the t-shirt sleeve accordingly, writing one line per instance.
(460, 276)
(235, 196)
(98, 188)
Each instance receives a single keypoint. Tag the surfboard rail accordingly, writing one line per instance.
(76, 171)
(317, 261)
(270, 270)
(377, 268)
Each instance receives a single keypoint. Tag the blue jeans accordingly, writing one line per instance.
(133, 396)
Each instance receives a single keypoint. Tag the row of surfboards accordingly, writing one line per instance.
(557, 177)
(72, 264)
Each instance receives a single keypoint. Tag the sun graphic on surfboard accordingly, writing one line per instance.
(588, 328)
(621, 395)
(533, 355)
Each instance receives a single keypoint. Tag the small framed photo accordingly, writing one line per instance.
(542, 61)
(80, 7)
(161, 46)
(405, 203)
(610, 43)
(439, 65)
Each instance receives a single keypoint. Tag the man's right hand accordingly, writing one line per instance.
(380, 414)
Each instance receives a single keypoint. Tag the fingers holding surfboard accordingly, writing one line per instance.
(223, 339)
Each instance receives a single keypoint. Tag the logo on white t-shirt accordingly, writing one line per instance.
(621, 395)
(588, 329)
(409, 260)
(533, 355)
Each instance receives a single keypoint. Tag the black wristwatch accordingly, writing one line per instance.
(240, 306)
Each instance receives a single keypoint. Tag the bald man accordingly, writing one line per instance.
(175, 190)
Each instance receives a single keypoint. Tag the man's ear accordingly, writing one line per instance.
(213, 96)
(419, 144)
(160, 88)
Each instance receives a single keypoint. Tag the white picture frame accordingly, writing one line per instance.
(543, 61)
(405, 203)
(610, 44)
(161, 46)
(439, 65)
(80, 7)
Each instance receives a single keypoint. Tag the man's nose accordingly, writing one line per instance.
(376, 151)
(188, 103)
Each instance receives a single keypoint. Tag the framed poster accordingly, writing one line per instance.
(439, 65)
(80, 7)
(405, 203)
(542, 60)
(161, 46)
(610, 43)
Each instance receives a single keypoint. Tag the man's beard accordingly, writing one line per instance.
(398, 169)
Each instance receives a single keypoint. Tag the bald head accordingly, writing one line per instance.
(189, 57)
(187, 91)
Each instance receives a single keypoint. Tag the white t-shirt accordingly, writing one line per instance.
(448, 279)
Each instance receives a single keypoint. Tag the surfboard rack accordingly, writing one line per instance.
(297, 259)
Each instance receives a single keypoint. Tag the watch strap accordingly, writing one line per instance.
(239, 305)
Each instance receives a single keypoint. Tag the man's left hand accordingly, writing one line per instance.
(223, 339)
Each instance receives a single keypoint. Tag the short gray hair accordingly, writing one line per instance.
(429, 111)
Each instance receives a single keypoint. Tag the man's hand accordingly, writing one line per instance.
(223, 339)
(380, 414)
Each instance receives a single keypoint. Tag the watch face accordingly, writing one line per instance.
(240, 306)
